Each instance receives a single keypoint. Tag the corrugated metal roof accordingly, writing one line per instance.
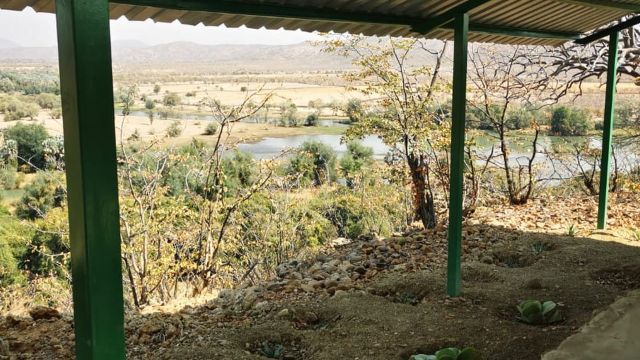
(538, 15)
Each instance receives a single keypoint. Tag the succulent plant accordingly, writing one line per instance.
(536, 312)
(449, 354)
(271, 350)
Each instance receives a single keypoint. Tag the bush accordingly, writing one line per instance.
(14, 237)
(48, 251)
(314, 162)
(175, 129)
(479, 119)
(521, 118)
(156, 88)
(627, 114)
(239, 170)
(149, 104)
(312, 120)
(171, 99)
(567, 121)
(47, 101)
(375, 209)
(211, 128)
(46, 192)
(190, 94)
(56, 113)
(29, 139)
(16, 110)
(8, 179)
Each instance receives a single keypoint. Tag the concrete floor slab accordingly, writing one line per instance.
(612, 334)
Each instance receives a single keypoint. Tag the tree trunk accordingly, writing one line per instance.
(423, 205)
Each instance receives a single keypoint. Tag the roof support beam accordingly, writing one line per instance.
(419, 25)
(275, 11)
(86, 84)
(456, 173)
(448, 16)
(527, 33)
(604, 5)
(609, 114)
(608, 31)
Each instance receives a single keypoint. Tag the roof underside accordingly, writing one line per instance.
(374, 17)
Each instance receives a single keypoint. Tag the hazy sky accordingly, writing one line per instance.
(28, 28)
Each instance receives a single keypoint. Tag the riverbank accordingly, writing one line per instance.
(143, 128)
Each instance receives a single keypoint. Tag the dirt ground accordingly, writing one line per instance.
(510, 254)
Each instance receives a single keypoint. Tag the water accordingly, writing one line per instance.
(547, 167)
(268, 148)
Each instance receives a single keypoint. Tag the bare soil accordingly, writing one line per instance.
(403, 310)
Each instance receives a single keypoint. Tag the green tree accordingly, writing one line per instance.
(357, 157)
(289, 114)
(312, 120)
(567, 121)
(354, 110)
(403, 115)
(29, 139)
(314, 163)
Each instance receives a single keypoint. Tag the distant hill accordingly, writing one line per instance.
(223, 58)
(8, 44)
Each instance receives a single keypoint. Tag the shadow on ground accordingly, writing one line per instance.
(398, 313)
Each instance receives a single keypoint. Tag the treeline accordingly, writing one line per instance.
(245, 214)
(29, 83)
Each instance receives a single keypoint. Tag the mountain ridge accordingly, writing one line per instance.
(296, 57)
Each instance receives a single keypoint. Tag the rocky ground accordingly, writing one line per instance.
(375, 298)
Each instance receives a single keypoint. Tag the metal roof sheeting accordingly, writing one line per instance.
(537, 15)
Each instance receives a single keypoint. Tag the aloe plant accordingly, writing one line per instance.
(449, 354)
(536, 312)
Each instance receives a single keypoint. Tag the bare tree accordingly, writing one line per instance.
(580, 63)
(508, 80)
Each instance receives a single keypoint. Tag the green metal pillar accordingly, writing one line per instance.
(456, 181)
(90, 153)
(609, 114)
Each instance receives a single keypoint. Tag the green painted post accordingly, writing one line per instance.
(609, 115)
(456, 176)
(90, 152)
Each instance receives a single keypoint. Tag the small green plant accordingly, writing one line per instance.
(536, 312)
(636, 234)
(540, 247)
(449, 354)
(572, 230)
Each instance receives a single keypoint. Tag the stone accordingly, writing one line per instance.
(283, 314)
(44, 313)
(307, 288)
(339, 293)
(340, 242)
